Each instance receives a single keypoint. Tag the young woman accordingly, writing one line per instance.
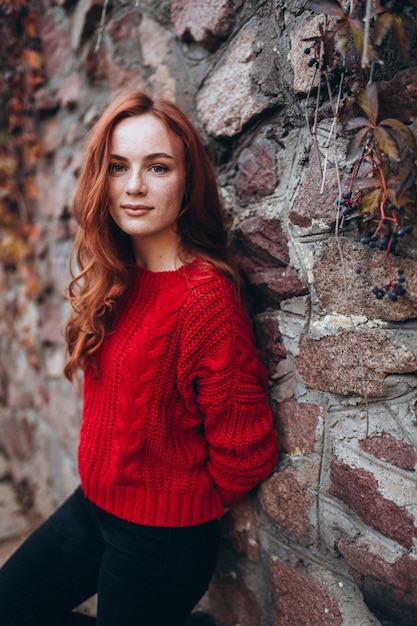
(176, 427)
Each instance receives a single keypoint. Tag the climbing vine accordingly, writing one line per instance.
(20, 77)
(381, 195)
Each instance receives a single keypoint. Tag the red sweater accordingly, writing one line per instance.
(176, 426)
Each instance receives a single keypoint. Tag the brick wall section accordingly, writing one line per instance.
(330, 538)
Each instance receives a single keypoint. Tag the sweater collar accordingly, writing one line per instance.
(162, 280)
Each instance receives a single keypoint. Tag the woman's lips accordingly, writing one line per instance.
(135, 209)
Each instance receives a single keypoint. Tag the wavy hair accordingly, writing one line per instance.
(104, 253)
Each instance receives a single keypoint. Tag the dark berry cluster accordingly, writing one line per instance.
(384, 236)
(393, 289)
(313, 60)
(387, 241)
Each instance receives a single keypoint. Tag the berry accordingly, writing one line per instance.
(307, 50)
(311, 62)
(393, 296)
(358, 270)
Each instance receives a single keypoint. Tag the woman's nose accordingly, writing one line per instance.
(136, 184)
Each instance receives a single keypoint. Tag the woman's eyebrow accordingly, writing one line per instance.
(148, 157)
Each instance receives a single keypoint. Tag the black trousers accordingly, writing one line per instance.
(144, 576)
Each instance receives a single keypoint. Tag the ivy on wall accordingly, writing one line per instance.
(381, 197)
(20, 76)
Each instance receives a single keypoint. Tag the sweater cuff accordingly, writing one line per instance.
(230, 498)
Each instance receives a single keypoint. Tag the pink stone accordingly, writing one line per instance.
(389, 587)
(69, 93)
(286, 500)
(207, 22)
(388, 448)
(332, 362)
(270, 343)
(124, 28)
(309, 203)
(359, 490)
(299, 600)
(257, 174)
(331, 275)
(297, 425)
(55, 45)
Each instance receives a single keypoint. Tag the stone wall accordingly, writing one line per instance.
(330, 538)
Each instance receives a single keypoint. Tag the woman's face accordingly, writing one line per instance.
(146, 182)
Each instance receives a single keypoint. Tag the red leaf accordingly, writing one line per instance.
(366, 182)
(357, 122)
(356, 145)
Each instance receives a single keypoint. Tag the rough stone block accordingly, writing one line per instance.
(257, 174)
(333, 363)
(269, 341)
(262, 248)
(299, 600)
(359, 490)
(331, 275)
(388, 587)
(208, 22)
(55, 45)
(304, 77)
(385, 446)
(285, 498)
(297, 425)
(226, 116)
(310, 204)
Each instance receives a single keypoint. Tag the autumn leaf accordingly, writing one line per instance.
(32, 59)
(370, 202)
(403, 128)
(355, 146)
(386, 143)
(368, 101)
(381, 27)
(357, 122)
(400, 35)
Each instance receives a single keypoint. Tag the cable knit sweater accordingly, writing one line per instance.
(176, 425)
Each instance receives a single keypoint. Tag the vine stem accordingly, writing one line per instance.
(366, 60)
(101, 28)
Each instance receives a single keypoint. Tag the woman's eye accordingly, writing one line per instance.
(116, 168)
(159, 169)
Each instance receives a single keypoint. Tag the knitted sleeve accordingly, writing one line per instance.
(220, 361)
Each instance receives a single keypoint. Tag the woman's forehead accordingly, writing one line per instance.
(145, 133)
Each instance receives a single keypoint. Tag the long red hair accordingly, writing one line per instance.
(104, 253)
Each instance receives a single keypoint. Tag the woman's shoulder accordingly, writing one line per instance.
(209, 281)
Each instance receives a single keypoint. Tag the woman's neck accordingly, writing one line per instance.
(167, 256)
